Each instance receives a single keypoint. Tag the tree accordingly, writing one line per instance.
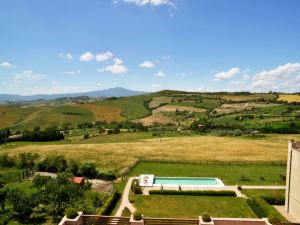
(101, 130)
(27, 160)
(4, 135)
(3, 194)
(88, 170)
(22, 203)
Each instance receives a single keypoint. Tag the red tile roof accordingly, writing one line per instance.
(78, 180)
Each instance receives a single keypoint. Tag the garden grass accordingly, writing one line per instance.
(191, 207)
(230, 174)
(251, 193)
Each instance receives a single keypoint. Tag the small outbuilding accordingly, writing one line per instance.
(78, 180)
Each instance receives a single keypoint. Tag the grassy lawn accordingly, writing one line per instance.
(230, 174)
(26, 186)
(119, 156)
(9, 174)
(192, 207)
(250, 193)
(132, 107)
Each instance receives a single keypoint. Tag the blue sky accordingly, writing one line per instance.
(61, 46)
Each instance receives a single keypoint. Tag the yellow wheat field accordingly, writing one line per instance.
(118, 156)
(289, 98)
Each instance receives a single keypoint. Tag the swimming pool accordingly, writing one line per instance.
(185, 181)
(149, 180)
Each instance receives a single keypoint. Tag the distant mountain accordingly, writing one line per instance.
(106, 93)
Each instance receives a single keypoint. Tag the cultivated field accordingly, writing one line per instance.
(252, 97)
(11, 115)
(289, 98)
(157, 101)
(155, 118)
(104, 113)
(229, 108)
(119, 156)
(174, 108)
(131, 107)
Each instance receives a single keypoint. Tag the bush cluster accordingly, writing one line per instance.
(71, 213)
(192, 193)
(37, 135)
(274, 200)
(137, 216)
(259, 206)
(58, 163)
(206, 218)
(135, 187)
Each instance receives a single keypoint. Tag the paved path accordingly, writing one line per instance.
(264, 187)
(125, 199)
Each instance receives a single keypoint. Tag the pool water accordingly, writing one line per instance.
(186, 181)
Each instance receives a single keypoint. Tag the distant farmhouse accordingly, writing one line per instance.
(293, 181)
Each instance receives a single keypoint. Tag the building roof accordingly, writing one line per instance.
(77, 180)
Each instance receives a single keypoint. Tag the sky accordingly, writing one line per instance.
(63, 46)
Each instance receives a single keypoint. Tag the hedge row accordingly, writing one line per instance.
(259, 206)
(192, 193)
(109, 203)
(274, 200)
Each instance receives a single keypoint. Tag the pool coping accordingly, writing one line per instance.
(219, 181)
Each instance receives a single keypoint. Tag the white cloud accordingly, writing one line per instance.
(227, 74)
(246, 76)
(160, 74)
(116, 68)
(278, 72)
(87, 56)
(118, 61)
(147, 2)
(73, 72)
(147, 64)
(28, 75)
(103, 56)
(6, 65)
(281, 78)
(68, 56)
(155, 85)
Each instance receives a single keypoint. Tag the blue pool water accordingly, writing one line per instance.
(185, 181)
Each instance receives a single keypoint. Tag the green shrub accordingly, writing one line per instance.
(274, 200)
(137, 216)
(126, 212)
(109, 203)
(244, 177)
(192, 193)
(282, 176)
(206, 218)
(71, 213)
(136, 188)
(274, 219)
(259, 206)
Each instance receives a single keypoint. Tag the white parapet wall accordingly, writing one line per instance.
(293, 180)
(146, 180)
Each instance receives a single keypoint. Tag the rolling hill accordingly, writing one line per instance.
(111, 92)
